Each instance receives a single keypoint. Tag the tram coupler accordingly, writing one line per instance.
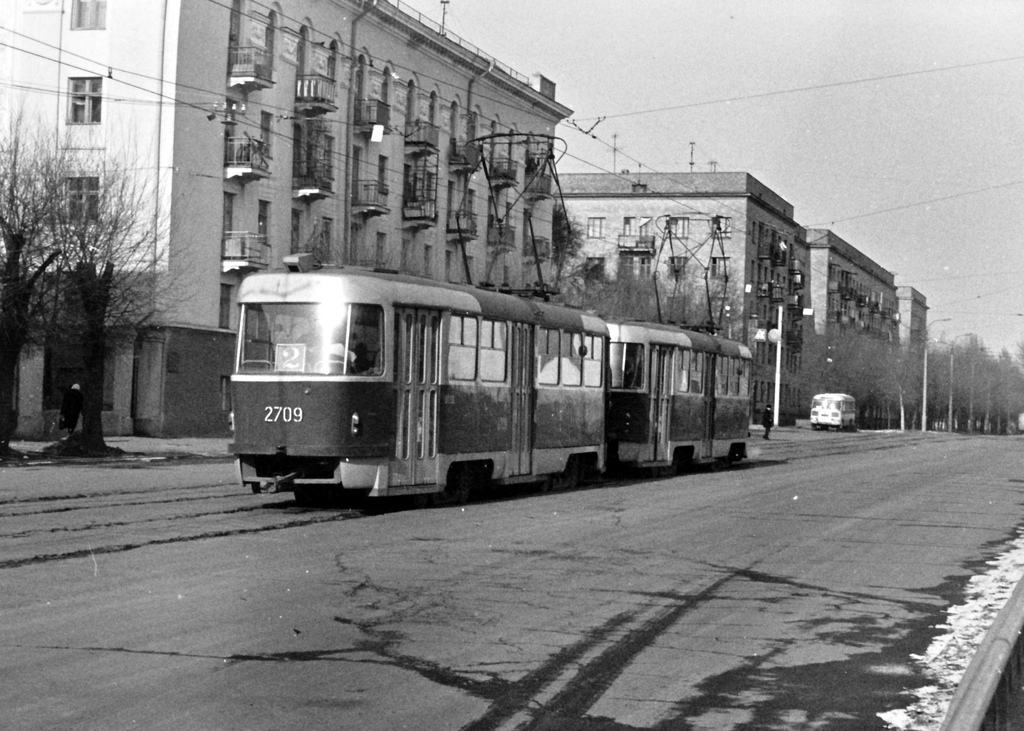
(276, 483)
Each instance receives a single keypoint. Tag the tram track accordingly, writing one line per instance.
(54, 526)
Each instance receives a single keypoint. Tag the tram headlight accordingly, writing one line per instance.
(356, 426)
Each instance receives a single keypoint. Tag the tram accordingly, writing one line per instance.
(394, 385)
(675, 397)
(356, 381)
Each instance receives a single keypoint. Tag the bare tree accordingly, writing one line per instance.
(110, 270)
(29, 169)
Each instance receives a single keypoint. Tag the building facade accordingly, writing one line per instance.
(724, 250)
(360, 132)
(849, 290)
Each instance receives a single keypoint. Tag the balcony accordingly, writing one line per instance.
(778, 295)
(241, 250)
(502, 237)
(503, 173)
(639, 242)
(315, 94)
(462, 224)
(538, 187)
(463, 157)
(370, 113)
(795, 302)
(245, 159)
(796, 279)
(250, 68)
(419, 211)
(370, 198)
(312, 180)
(422, 138)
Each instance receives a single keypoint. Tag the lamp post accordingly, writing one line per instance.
(949, 425)
(924, 381)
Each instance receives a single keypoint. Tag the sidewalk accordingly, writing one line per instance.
(134, 448)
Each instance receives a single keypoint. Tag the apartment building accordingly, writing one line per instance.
(724, 249)
(849, 290)
(358, 131)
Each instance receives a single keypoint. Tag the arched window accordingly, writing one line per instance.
(361, 77)
(455, 119)
(271, 25)
(300, 52)
(411, 113)
(432, 109)
(332, 62)
(385, 86)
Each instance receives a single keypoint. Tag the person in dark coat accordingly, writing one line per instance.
(71, 409)
(767, 420)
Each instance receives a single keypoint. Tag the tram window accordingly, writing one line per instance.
(741, 377)
(721, 376)
(547, 356)
(366, 340)
(627, 365)
(593, 361)
(697, 373)
(462, 348)
(492, 351)
(683, 382)
(572, 361)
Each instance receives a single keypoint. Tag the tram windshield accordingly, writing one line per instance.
(312, 338)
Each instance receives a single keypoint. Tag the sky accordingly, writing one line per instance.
(897, 124)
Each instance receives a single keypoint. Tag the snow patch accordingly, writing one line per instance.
(949, 654)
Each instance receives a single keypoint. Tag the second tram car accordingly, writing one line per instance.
(354, 381)
(675, 397)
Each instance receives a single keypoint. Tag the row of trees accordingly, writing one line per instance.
(78, 256)
(969, 389)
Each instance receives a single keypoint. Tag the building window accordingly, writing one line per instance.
(679, 227)
(263, 219)
(88, 14)
(718, 266)
(636, 266)
(593, 269)
(326, 235)
(382, 244)
(629, 226)
(224, 321)
(84, 199)
(86, 97)
(296, 240)
(595, 228)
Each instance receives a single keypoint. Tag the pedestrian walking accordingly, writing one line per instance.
(767, 420)
(71, 409)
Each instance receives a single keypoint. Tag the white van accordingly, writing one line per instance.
(833, 411)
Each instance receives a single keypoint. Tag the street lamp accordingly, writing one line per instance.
(949, 426)
(924, 381)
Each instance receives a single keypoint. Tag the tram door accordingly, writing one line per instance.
(661, 400)
(520, 460)
(710, 372)
(417, 362)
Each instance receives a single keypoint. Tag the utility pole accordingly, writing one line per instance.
(444, 13)
(615, 150)
(691, 155)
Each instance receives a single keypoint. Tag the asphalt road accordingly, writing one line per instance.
(788, 593)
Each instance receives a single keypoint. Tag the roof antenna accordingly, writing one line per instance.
(691, 155)
(444, 13)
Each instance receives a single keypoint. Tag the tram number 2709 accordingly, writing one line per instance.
(282, 413)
